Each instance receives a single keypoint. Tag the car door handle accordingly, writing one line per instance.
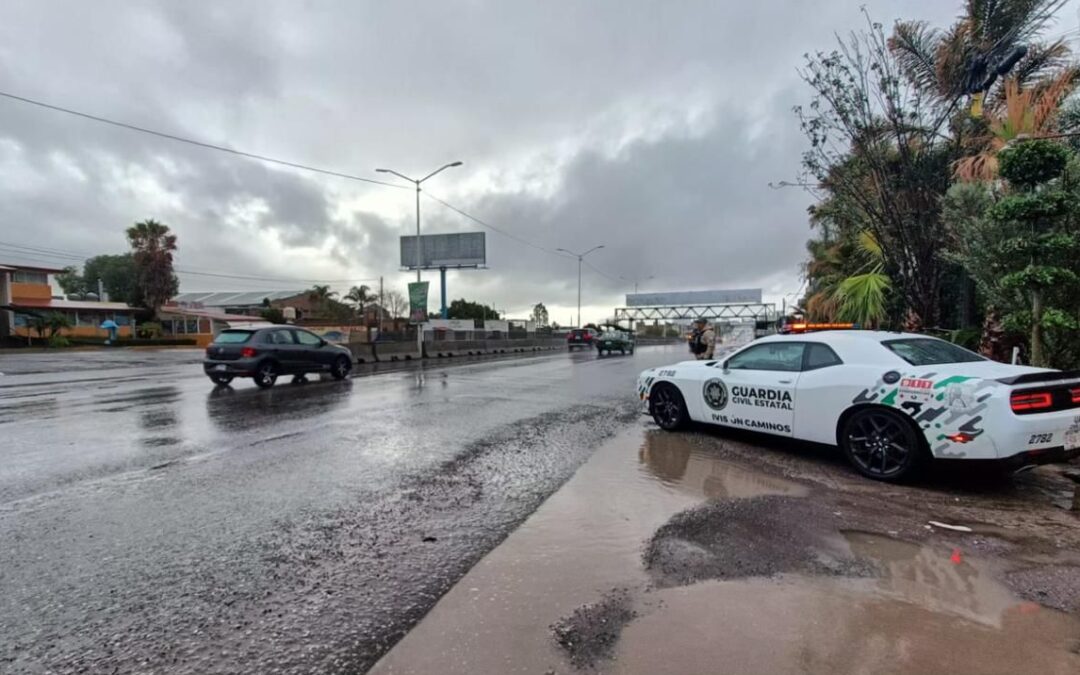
(786, 381)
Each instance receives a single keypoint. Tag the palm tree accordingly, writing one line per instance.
(360, 296)
(321, 297)
(990, 38)
(152, 247)
(1031, 112)
(860, 298)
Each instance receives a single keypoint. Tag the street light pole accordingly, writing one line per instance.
(580, 257)
(419, 244)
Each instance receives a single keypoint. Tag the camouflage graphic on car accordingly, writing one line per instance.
(937, 405)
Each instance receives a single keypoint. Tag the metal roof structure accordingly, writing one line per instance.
(233, 298)
(755, 311)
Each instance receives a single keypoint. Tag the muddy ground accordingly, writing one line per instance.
(711, 551)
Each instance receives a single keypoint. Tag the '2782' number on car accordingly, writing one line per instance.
(1040, 438)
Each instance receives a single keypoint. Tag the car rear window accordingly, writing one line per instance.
(928, 351)
(232, 337)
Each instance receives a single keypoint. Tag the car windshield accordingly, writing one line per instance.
(928, 351)
(232, 337)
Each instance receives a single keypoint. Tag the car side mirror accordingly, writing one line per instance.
(323, 343)
(724, 366)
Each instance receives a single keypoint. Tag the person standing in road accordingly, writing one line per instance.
(702, 340)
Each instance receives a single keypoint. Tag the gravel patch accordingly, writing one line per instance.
(590, 633)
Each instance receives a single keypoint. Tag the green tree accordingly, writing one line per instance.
(118, 276)
(360, 296)
(152, 247)
(1023, 249)
(540, 315)
(880, 160)
(272, 314)
(71, 282)
(463, 309)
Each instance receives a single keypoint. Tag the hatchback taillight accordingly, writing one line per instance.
(1031, 400)
(248, 352)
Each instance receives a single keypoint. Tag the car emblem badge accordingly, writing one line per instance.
(715, 393)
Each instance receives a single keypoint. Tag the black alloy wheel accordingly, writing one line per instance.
(340, 369)
(266, 375)
(882, 445)
(667, 407)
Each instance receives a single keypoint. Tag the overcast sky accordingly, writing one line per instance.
(653, 128)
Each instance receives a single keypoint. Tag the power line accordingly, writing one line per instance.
(491, 227)
(521, 240)
(273, 160)
(32, 252)
(201, 144)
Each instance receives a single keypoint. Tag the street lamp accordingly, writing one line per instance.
(580, 257)
(419, 245)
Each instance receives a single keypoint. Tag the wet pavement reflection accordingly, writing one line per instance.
(146, 514)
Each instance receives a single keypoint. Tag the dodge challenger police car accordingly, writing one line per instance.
(889, 400)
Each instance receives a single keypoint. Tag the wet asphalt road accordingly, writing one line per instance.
(152, 523)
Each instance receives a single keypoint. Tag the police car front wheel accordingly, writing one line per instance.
(668, 408)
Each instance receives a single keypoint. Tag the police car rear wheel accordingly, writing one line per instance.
(882, 445)
(667, 407)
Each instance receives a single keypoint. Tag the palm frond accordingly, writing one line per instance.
(1041, 60)
(915, 46)
(861, 298)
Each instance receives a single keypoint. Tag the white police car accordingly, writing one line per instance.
(889, 400)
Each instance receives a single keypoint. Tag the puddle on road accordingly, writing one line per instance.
(800, 625)
(926, 613)
(672, 460)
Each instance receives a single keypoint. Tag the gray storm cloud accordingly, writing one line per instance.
(656, 126)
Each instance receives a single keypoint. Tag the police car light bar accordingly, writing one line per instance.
(803, 327)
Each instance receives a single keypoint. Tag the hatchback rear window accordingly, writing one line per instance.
(928, 351)
(232, 337)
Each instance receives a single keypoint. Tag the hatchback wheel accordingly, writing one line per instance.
(266, 375)
(340, 369)
(667, 407)
(883, 445)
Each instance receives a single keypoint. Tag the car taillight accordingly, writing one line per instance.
(1075, 395)
(248, 352)
(588, 336)
(1028, 400)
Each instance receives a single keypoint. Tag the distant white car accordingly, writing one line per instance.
(889, 400)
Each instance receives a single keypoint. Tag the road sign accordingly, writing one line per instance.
(463, 249)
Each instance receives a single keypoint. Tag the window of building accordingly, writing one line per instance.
(29, 277)
(192, 326)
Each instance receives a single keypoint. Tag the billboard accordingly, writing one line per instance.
(464, 249)
(724, 297)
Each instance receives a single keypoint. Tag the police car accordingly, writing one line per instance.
(891, 401)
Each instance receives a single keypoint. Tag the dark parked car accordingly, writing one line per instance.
(264, 354)
(580, 338)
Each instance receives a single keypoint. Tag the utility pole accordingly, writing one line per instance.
(382, 307)
(580, 257)
(419, 244)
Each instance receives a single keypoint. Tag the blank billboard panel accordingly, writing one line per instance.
(465, 249)
(725, 297)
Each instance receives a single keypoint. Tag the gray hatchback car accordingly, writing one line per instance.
(264, 354)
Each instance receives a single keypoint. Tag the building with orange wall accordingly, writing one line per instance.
(25, 293)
